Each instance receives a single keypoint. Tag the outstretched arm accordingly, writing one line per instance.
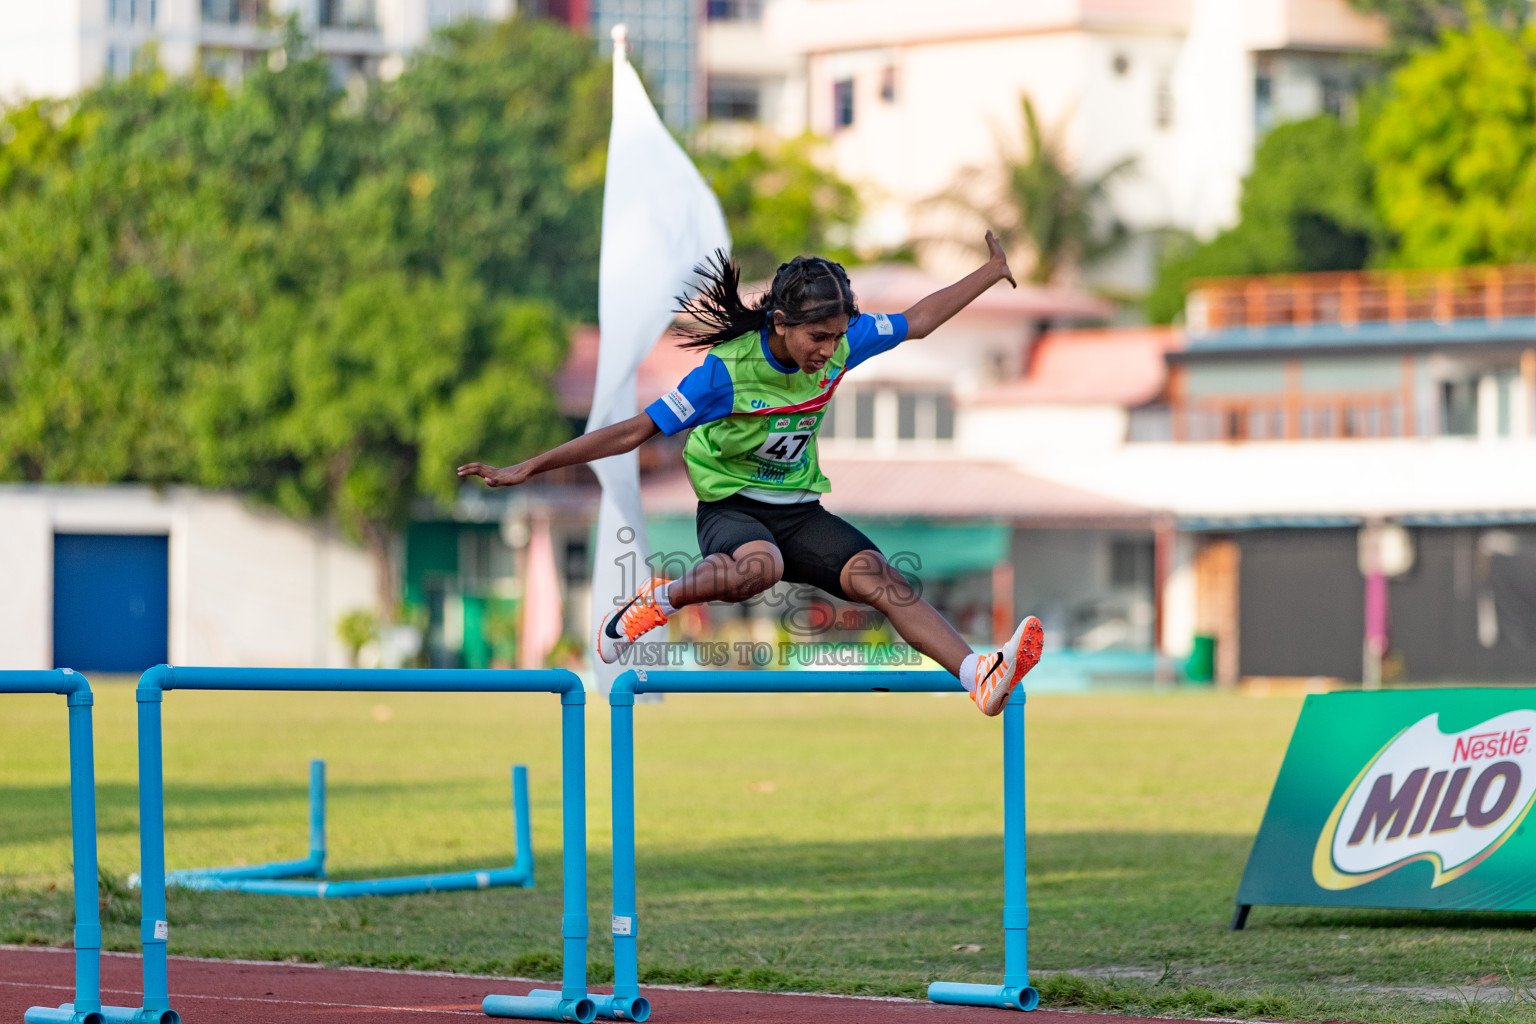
(928, 314)
(612, 440)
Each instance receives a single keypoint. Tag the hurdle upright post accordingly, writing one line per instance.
(154, 928)
(76, 691)
(317, 815)
(626, 1002)
(82, 807)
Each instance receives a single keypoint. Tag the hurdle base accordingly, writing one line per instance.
(456, 881)
(617, 1007)
(62, 1015)
(66, 1014)
(1001, 996)
(312, 866)
(541, 1004)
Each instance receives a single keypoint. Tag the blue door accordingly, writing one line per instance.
(111, 601)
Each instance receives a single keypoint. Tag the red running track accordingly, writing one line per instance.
(241, 992)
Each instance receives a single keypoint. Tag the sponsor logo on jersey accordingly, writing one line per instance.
(806, 423)
(782, 423)
(883, 325)
(676, 401)
(1447, 799)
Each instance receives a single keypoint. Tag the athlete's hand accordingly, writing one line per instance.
(507, 476)
(998, 260)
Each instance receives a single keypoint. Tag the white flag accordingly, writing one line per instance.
(659, 221)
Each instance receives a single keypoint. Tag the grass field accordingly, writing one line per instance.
(828, 843)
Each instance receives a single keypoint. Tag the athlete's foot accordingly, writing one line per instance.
(998, 672)
(625, 625)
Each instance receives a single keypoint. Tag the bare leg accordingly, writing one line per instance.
(869, 579)
(748, 571)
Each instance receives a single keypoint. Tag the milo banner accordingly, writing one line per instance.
(1408, 798)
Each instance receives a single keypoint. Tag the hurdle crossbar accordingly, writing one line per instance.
(626, 1002)
(569, 1003)
(306, 877)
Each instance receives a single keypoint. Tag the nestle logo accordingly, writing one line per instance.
(1492, 744)
(1446, 799)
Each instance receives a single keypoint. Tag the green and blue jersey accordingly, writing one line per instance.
(757, 418)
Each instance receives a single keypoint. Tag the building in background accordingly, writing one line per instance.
(59, 47)
(664, 38)
(911, 92)
(753, 80)
(1300, 424)
(121, 578)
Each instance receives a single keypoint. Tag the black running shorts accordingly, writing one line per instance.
(815, 543)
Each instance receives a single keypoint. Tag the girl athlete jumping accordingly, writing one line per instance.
(756, 404)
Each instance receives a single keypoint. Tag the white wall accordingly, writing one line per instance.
(40, 48)
(1389, 477)
(247, 586)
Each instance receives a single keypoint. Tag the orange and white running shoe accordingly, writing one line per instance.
(998, 672)
(625, 625)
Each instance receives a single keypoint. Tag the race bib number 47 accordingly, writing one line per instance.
(784, 446)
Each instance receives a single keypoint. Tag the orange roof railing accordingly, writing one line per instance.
(1363, 296)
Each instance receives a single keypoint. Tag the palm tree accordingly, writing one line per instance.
(1039, 206)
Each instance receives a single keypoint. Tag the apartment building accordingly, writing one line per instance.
(62, 46)
(912, 93)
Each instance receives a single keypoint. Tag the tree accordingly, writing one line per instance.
(1455, 150)
(1040, 206)
(1419, 23)
(274, 290)
(1308, 205)
(499, 131)
(779, 203)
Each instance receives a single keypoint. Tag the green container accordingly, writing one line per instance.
(1201, 666)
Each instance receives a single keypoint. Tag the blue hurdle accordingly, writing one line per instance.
(627, 1003)
(568, 1003)
(306, 877)
(76, 690)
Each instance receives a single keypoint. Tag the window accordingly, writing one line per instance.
(734, 99)
(359, 14)
(1162, 103)
(1130, 563)
(842, 103)
(1458, 408)
(1333, 97)
(232, 12)
(577, 570)
(906, 416)
(924, 416)
(864, 415)
(735, 10)
(1263, 102)
(888, 85)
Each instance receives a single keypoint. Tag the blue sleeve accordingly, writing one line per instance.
(706, 394)
(873, 333)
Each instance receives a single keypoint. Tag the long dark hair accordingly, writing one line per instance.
(806, 289)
